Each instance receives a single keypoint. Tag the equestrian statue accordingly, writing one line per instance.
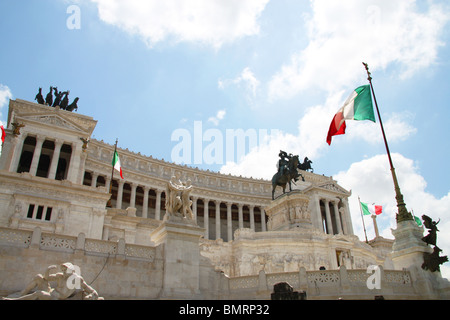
(287, 172)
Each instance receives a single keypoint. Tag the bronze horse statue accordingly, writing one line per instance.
(283, 177)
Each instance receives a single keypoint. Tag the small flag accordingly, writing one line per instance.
(116, 163)
(417, 219)
(3, 134)
(357, 107)
(369, 209)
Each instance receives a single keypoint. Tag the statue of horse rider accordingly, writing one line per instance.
(283, 162)
(287, 171)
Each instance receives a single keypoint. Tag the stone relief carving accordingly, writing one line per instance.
(294, 213)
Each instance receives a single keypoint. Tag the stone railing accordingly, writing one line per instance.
(328, 283)
(37, 239)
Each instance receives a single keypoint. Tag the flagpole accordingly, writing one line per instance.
(112, 172)
(403, 214)
(109, 204)
(362, 218)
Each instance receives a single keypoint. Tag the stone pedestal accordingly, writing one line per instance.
(407, 253)
(284, 291)
(408, 247)
(181, 274)
(289, 211)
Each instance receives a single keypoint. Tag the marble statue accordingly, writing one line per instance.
(39, 288)
(178, 201)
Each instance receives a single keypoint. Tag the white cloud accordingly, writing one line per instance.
(213, 22)
(310, 139)
(219, 116)
(396, 126)
(342, 34)
(5, 96)
(261, 161)
(248, 80)
(371, 180)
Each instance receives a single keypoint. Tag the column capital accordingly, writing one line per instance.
(133, 185)
(59, 142)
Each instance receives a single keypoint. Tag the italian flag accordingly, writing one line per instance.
(116, 163)
(369, 209)
(3, 133)
(417, 220)
(357, 107)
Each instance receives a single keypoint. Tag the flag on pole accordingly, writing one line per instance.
(3, 134)
(116, 163)
(369, 209)
(357, 107)
(417, 220)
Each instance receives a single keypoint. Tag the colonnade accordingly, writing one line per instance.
(335, 217)
(55, 158)
(219, 218)
(43, 156)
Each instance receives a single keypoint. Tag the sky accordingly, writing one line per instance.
(178, 80)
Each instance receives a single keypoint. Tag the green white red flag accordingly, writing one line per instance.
(369, 209)
(116, 163)
(358, 106)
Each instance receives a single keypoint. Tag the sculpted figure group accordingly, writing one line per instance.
(432, 261)
(287, 171)
(68, 283)
(61, 99)
(178, 201)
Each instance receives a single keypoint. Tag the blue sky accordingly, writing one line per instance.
(145, 69)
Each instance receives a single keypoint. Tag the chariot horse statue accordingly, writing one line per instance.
(287, 172)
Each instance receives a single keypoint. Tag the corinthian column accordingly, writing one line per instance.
(36, 155)
(55, 159)
(133, 195)
(158, 204)
(328, 217)
(120, 194)
(206, 217)
(218, 236)
(241, 215)
(145, 203)
(337, 216)
(229, 222)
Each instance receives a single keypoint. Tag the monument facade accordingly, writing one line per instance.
(175, 232)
